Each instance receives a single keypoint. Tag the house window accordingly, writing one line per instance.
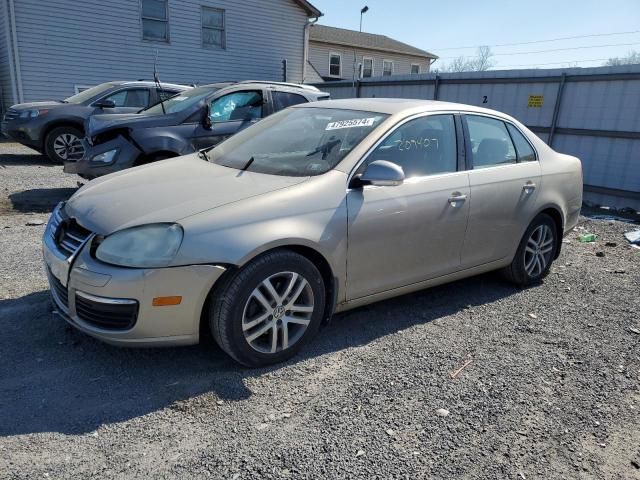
(367, 67)
(213, 29)
(335, 64)
(155, 20)
(415, 68)
(387, 68)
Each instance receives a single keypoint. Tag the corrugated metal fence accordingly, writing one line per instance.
(592, 113)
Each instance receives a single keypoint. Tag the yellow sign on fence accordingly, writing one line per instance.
(536, 101)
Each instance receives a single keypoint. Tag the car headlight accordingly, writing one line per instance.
(106, 157)
(148, 246)
(32, 113)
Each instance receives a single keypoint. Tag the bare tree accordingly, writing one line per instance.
(483, 59)
(481, 62)
(631, 58)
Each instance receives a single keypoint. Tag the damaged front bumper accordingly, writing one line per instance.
(108, 157)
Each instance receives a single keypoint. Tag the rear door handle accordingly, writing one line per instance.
(529, 187)
(456, 197)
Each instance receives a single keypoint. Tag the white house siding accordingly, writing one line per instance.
(65, 43)
(319, 57)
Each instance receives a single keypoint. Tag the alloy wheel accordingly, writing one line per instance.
(278, 312)
(68, 147)
(537, 253)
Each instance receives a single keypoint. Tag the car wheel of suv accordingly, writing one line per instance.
(268, 310)
(535, 253)
(63, 144)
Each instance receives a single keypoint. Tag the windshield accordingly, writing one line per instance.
(180, 102)
(297, 142)
(88, 94)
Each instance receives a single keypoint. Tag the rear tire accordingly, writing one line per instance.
(268, 310)
(535, 253)
(63, 144)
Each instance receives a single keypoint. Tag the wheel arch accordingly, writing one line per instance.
(310, 253)
(66, 122)
(555, 212)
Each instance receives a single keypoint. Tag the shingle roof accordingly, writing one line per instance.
(341, 36)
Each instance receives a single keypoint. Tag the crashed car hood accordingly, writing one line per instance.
(97, 124)
(166, 191)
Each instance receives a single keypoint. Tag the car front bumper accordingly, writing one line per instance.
(89, 294)
(125, 157)
(27, 132)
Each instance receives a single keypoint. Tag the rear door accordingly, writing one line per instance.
(504, 178)
(228, 114)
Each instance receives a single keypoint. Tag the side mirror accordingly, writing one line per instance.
(383, 174)
(105, 104)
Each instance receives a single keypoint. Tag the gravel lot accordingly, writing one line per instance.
(552, 390)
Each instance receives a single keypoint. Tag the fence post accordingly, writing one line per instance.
(436, 86)
(358, 86)
(556, 110)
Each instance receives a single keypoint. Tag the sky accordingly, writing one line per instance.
(441, 27)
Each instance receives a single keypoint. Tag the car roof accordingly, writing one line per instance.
(147, 83)
(283, 86)
(394, 106)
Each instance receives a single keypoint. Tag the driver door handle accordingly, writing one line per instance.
(456, 197)
(529, 187)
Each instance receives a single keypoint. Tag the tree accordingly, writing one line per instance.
(631, 58)
(481, 62)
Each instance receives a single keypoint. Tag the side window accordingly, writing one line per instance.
(424, 146)
(367, 67)
(155, 20)
(237, 106)
(163, 94)
(523, 147)
(135, 98)
(284, 99)
(335, 64)
(490, 142)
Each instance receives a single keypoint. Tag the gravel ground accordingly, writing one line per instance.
(552, 390)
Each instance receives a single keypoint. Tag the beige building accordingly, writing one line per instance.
(334, 54)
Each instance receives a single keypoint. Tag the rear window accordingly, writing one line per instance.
(283, 100)
(523, 147)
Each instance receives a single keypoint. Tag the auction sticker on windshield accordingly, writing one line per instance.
(355, 122)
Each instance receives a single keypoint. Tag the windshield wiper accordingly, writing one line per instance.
(203, 155)
(247, 165)
(325, 148)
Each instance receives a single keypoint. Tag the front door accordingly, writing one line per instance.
(505, 179)
(229, 114)
(412, 232)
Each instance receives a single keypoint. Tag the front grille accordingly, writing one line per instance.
(11, 114)
(106, 313)
(67, 234)
(60, 291)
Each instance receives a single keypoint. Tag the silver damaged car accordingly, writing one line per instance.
(314, 210)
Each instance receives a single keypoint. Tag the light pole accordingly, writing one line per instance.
(363, 10)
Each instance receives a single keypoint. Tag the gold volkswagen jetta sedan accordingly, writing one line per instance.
(317, 209)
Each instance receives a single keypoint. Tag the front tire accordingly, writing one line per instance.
(64, 144)
(268, 310)
(535, 253)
